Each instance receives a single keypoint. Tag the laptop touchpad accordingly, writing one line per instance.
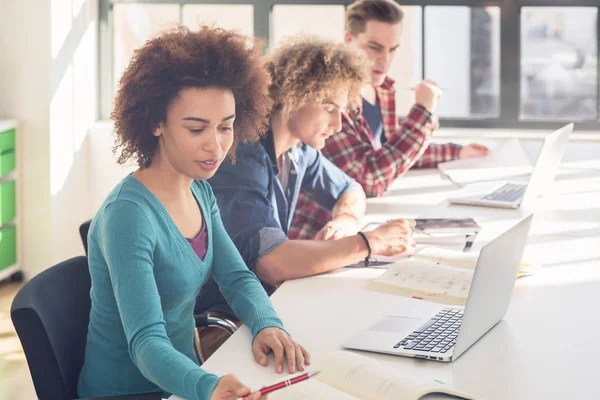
(397, 325)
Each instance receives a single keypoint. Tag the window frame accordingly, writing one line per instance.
(510, 41)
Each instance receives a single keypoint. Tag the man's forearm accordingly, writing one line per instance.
(300, 258)
(353, 203)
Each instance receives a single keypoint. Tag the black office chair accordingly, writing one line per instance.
(83, 232)
(202, 320)
(51, 315)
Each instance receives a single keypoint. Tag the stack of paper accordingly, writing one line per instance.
(506, 160)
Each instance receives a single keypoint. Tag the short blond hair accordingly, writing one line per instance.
(306, 69)
(362, 11)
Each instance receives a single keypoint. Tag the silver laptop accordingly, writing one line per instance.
(451, 331)
(513, 194)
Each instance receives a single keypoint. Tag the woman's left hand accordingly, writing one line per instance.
(282, 345)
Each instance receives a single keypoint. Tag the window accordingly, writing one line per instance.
(559, 63)
(407, 66)
(504, 63)
(462, 54)
(237, 17)
(326, 21)
(134, 24)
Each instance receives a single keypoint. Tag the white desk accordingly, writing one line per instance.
(545, 348)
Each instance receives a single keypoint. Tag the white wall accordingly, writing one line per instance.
(326, 21)
(25, 96)
(73, 110)
(48, 83)
(104, 172)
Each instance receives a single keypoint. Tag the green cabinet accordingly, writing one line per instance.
(8, 246)
(8, 201)
(7, 152)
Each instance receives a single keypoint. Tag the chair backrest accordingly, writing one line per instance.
(83, 232)
(51, 315)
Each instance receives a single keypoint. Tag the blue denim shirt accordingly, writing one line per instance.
(256, 210)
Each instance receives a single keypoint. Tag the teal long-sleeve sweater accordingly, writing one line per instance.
(145, 279)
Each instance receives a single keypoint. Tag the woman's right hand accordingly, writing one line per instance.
(230, 388)
(392, 238)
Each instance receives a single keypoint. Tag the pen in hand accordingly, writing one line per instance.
(287, 382)
(441, 88)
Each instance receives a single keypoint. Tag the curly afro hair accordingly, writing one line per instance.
(305, 69)
(177, 59)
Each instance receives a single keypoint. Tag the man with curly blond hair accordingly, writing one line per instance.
(374, 147)
(312, 82)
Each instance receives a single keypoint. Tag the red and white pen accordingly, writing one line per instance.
(286, 383)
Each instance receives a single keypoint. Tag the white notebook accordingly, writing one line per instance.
(508, 159)
(349, 376)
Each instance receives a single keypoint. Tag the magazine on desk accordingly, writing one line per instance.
(349, 376)
(450, 233)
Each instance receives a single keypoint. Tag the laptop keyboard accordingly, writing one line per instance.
(437, 335)
(509, 192)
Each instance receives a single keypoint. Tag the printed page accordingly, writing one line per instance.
(506, 160)
(310, 390)
(447, 257)
(426, 280)
(459, 259)
(370, 380)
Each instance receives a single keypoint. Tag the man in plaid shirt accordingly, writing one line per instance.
(373, 147)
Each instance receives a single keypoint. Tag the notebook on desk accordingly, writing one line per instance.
(436, 274)
(348, 376)
(512, 194)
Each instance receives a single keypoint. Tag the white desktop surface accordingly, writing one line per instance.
(545, 347)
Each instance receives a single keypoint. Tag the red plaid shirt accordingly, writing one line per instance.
(375, 169)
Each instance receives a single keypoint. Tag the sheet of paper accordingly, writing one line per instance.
(369, 379)
(504, 161)
(448, 257)
(310, 390)
(427, 278)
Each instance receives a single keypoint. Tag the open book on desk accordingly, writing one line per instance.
(435, 274)
(506, 160)
(349, 376)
